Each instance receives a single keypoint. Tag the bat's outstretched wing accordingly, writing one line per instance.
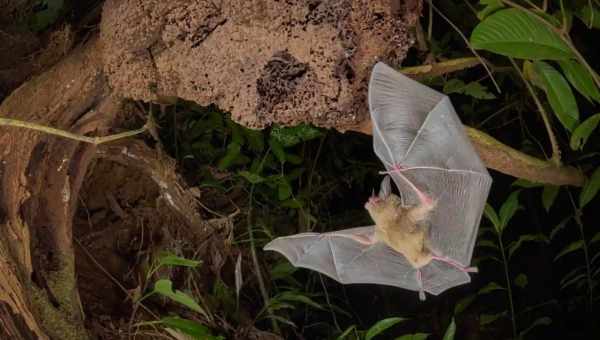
(339, 256)
(421, 141)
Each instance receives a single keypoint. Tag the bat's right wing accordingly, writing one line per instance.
(339, 256)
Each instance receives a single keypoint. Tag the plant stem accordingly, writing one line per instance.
(585, 252)
(508, 287)
(70, 135)
(555, 148)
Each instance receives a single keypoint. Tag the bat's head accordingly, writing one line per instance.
(383, 208)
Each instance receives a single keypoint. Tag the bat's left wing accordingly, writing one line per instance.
(340, 256)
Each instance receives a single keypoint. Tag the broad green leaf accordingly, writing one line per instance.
(590, 189)
(416, 336)
(232, 153)
(560, 226)
(381, 326)
(165, 288)
(473, 89)
(515, 33)
(251, 177)
(514, 246)
(521, 280)
(569, 249)
(463, 304)
(549, 196)
(509, 208)
(292, 203)
(256, 140)
(490, 7)
(346, 332)
(543, 321)
(580, 78)
(590, 16)
(486, 319)
(559, 94)
(189, 327)
(490, 213)
(583, 132)
(290, 136)
(490, 287)
(173, 260)
(450, 331)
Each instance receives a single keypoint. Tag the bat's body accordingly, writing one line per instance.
(423, 239)
(404, 229)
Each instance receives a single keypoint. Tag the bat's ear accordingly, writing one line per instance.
(386, 187)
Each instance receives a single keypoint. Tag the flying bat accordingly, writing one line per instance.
(423, 239)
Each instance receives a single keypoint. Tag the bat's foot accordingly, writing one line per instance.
(420, 283)
(455, 264)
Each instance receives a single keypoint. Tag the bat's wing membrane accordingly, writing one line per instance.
(346, 260)
(417, 128)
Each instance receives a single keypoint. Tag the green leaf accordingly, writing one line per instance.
(290, 136)
(583, 132)
(580, 78)
(487, 243)
(490, 287)
(463, 304)
(295, 296)
(573, 280)
(549, 196)
(473, 89)
(231, 155)
(590, 189)
(486, 319)
(165, 288)
(514, 246)
(559, 94)
(521, 280)
(284, 189)
(173, 260)
(282, 270)
(560, 226)
(251, 177)
(189, 327)
(595, 239)
(570, 275)
(491, 215)
(256, 140)
(515, 33)
(381, 326)
(49, 13)
(569, 249)
(509, 208)
(543, 321)
(347, 332)
(416, 336)
(450, 331)
(277, 149)
(590, 16)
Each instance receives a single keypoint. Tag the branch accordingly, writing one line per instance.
(507, 160)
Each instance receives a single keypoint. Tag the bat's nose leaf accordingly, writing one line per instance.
(386, 188)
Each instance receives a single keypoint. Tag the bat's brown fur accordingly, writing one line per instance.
(403, 228)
